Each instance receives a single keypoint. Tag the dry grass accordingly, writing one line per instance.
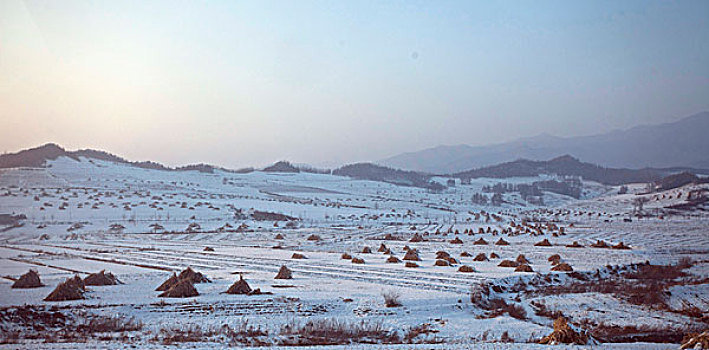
(391, 299)
(336, 332)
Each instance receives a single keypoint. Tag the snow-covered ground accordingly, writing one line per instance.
(86, 216)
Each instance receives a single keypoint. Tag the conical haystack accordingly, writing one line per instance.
(183, 289)
(494, 255)
(544, 243)
(522, 259)
(554, 259)
(298, 256)
(366, 250)
(393, 260)
(599, 244)
(279, 237)
(346, 256)
(28, 280)
(502, 242)
(456, 241)
(574, 245)
(442, 254)
(67, 290)
(168, 283)
(466, 268)
(562, 267)
(564, 334)
(208, 249)
(465, 254)
(239, 287)
(480, 241)
(382, 248)
(416, 238)
(524, 268)
(412, 255)
(620, 246)
(192, 276)
(451, 260)
(357, 261)
(481, 257)
(441, 262)
(284, 273)
(508, 263)
(102, 278)
(411, 264)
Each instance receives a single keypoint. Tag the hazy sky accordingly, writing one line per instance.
(248, 83)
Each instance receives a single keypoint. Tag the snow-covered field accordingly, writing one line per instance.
(142, 225)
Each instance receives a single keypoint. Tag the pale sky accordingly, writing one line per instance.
(239, 83)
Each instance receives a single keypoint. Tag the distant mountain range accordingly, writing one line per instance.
(38, 157)
(684, 143)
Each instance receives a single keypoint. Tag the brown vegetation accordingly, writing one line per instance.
(29, 280)
(544, 243)
(564, 334)
(183, 289)
(101, 278)
(284, 273)
(466, 268)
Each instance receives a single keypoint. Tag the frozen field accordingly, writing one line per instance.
(143, 225)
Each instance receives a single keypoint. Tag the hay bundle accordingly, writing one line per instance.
(357, 261)
(28, 280)
(208, 249)
(481, 257)
(441, 262)
(465, 254)
(599, 244)
(313, 237)
(192, 276)
(393, 260)
(183, 289)
(298, 256)
(480, 241)
(366, 250)
(346, 256)
(564, 334)
(522, 259)
(76, 280)
(456, 241)
(67, 290)
(382, 248)
(562, 267)
(695, 341)
(168, 283)
(451, 260)
(555, 259)
(102, 278)
(387, 252)
(239, 287)
(279, 237)
(620, 246)
(502, 242)
(494, 255)
(406, 248)
(411, 264)
(544, 243)
(416, 238)
(574, 245)
(524, 268)
(466, 268)
(284, 273)
(508, 263)
(412, 255)
(442, 254)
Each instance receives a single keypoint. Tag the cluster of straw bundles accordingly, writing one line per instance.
(284, 273)
(28, 280)
(102, 278)
(71, 289)
(182, 285)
